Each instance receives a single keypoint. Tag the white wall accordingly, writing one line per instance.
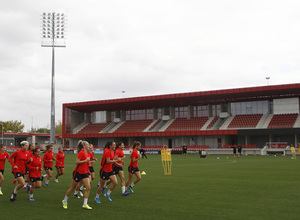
(283, 106)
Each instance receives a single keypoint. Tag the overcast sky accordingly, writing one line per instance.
(144, 48)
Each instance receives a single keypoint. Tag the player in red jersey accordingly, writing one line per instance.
(3, 156)
(80, 174)
(35, 168)
(106, 170)
(60, 163)
(118, 167)
(18, 160)
(80, 187)
(92, 160)
(29, 151)
(48, 159)
(133, 166)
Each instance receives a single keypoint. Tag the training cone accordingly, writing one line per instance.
(292, 158)
(143, 173)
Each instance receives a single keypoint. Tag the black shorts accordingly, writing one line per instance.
(18, 174)
(133, 169)
(35, 179)
(91, 169)
(2, 171)
(105, 176)
(48, 168)
(78, 176)
(59, 167)
(234, 151)
(116, 169)
(184, 151)
(27, 170)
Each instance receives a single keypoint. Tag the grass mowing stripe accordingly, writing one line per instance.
(252, 187)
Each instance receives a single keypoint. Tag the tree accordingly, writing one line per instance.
(12, 126)
(58, 127)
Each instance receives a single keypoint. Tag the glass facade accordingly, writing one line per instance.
(139, 114)
(255, 107)
(201, 111)
(181, 112)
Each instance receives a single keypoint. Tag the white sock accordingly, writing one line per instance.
(108, 192)
(15, 191)
(45, 175)
(25, 185)
(104, 185)
(99, 183)
(30, 195)
(76, 192)
(97, 195)
(81, 188)
(66, 199)
(123, 189)
(85, 201)
(132, 185)
(47, 181)
(0, 188)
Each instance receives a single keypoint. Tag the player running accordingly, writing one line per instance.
(118, 167)
(27, 180)
(48, 163)
(106, 170)
(35, 168)
(80, 187)
(60, 163)
(80, 174)
(3, 156)
(133, 166)
(18, 160)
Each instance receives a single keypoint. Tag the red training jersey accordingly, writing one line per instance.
(3, 157)
(60, 159)
(35, 167)
(91, 155)
(83, 167)
(103, 158)
(119, 153)
(46, 158)
(107, 167)
(134, 155)
(19, 158)
(29, 153)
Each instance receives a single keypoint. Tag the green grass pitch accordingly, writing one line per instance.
(250, 187)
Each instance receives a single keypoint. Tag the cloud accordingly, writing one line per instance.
(143, 48)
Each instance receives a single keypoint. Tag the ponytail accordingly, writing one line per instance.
(108, 144)
(80, 145)
(48, 147)
(136, 143)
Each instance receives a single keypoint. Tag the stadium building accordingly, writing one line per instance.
(214, 120)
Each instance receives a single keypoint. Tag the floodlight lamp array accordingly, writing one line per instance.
(53, 26)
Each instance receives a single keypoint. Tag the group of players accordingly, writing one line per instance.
(111, 165)
(27, 166)
(28, 162)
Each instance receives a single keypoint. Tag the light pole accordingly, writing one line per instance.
(53, 35)
(268, 78)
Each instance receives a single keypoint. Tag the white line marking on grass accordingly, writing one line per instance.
(209, 164)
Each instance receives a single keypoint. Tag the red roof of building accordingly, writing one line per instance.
(191, 98)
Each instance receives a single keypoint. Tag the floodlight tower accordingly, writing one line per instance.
(53, 35)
